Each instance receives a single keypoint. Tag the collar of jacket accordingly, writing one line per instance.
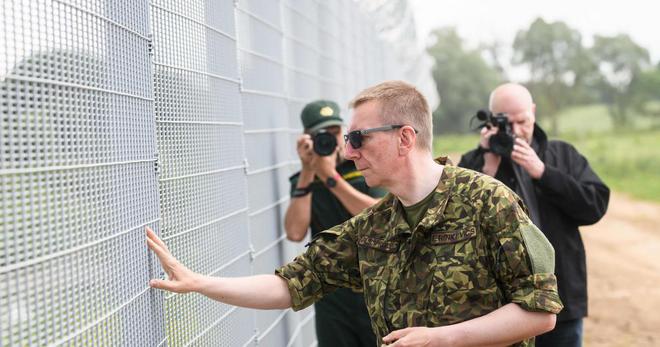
(390, 210)
(541, 139)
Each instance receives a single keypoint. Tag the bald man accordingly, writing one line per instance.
(561, 192)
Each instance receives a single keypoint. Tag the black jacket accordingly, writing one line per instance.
(569, 194)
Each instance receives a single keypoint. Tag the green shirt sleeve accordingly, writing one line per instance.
(523, 257)
(330, 262)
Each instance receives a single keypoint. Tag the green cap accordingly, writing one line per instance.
(320, 114)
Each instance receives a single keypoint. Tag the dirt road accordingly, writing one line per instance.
(623, 262)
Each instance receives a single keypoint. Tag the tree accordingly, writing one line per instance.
(646, 91)
(559, 65)
(463, 79)
(621, 62)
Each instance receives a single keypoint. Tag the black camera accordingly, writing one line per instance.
(324, 142)
(502, 142)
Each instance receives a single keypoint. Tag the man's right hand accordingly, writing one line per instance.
(305, 148)
(180, 278)
(485, 135)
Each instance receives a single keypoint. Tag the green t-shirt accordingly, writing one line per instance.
(415, 213)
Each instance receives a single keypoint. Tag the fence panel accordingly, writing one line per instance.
(178, 115)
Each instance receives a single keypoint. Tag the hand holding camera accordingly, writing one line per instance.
(324, 158)
(498, 136)
(485, 135)
(317, 152)
(304, 147)
(524, 155)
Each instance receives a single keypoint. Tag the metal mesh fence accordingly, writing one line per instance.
(180, 115)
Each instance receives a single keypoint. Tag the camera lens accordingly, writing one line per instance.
(501, 144)
(324, 143)
(482, 115)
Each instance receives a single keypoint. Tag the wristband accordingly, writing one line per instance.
(331, 182)
(299, 192)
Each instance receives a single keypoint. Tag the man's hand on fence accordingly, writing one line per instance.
(180, 278)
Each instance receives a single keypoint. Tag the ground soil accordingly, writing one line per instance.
(623, 262)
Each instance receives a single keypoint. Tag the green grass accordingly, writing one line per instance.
(627, 161)
(590, 119)
(454, 144)
(581, 120)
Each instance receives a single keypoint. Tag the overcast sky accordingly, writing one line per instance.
(488, 20)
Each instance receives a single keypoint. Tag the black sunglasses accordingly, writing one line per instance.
(355, 137)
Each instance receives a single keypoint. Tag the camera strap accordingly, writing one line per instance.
(525, 188)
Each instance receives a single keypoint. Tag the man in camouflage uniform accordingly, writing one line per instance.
(448, 258)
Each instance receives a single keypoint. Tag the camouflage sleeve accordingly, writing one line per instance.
(523, 258)
(329, 262)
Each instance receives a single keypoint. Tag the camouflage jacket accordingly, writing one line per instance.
(474, 251)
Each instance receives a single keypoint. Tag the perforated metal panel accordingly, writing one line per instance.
(200, 145)
(179, 115)
(77, 179)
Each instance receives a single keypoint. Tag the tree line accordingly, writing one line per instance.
(562, 73)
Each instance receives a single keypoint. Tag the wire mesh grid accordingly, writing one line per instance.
(185, 96)
(180, 115)
(198, 148)
(196, 44)
(261, 66)
(47, 125)
(45, 213)
(257, 108)
(190, 318)
(77, 182)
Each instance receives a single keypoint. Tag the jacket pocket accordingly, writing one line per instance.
(462, 286)
(377, 259)
(375, 254)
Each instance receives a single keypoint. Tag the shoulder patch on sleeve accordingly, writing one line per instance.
(540, 251)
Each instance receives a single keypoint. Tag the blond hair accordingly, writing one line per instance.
(401, 103)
